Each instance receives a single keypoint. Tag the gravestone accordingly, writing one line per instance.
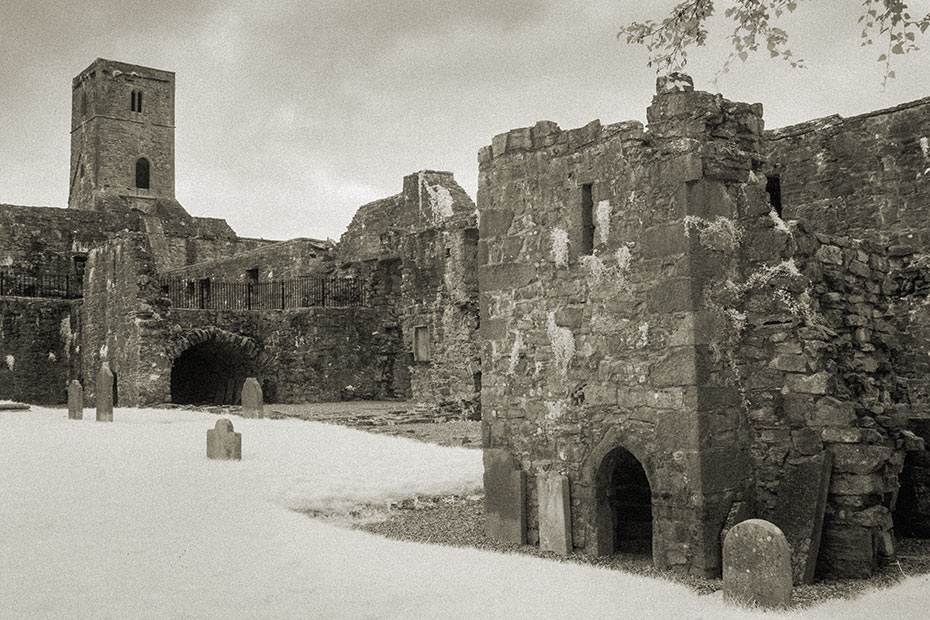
(798, 512)
(223, 443)
(504, 497)
(252, 399)
(104, 394)
(75, 400)
(555, 521)
(757, 565)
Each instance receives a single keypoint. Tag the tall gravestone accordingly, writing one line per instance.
(252, 399)
(75, 400)
(105, 394)
(223, 443)
(757, 565)
(555, 521)
(504, 497)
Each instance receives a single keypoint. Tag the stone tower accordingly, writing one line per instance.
(122, 139)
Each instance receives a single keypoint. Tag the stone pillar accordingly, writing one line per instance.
(105, 394)
(75, 400)
(223, 443)
(252, 399)
(757, 565)
(555, 519)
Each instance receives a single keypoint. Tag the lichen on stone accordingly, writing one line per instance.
(10, 362)
(515, 353)
(721, 233)
(559, 247)
(562, 341)
(603, 220)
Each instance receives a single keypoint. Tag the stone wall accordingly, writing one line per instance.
(866, 176)
(429, 230)
(38, 349)
(275, 261)
(123, 316)
(589, 350)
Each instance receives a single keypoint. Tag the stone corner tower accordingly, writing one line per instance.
(122, 139)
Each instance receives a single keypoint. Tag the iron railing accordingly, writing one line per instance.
(63, 286)
(302, 292)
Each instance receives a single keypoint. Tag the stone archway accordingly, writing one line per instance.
(623, 505)
(210, 365)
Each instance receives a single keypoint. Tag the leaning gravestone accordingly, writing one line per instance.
(223, 443)
(104, 395)
(504, 497)
(555, 521)
(75, 400)
(757, 565)
(252, 399)
(798, 512)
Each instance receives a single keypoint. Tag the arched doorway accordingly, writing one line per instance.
(623, 505)
(210, 373)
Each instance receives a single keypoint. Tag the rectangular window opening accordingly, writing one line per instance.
(773, 187)
(587, 219)
(252, 274)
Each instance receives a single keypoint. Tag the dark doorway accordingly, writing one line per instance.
(115, 390)
(911, 512)
(624, 505)
(210, 373)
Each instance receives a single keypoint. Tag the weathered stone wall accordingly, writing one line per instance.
(275, 261)
(123, 316)
(38, 352)
(866, 176)
(430, 230)
(47, 239)
(583, 354)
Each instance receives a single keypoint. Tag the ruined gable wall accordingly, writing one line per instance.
(429, 229)
(37, 348)
(867, 176)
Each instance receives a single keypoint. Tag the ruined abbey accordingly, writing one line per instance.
(664, 330)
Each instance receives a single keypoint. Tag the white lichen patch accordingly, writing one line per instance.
(559, 247)
(925, 147)
(624, 257)
(515, 353)
(538, 368)
(440, 201)
(563, 343)
(594, 267)
(10, 362)
(603, 220)
(52, 357)
(764, 274)
(6, 262)
(779, 223)
(643, 339)
(553, 409)
(720, 234)
(64, 330)
(736, 318)
(598, 270)
(103, 351)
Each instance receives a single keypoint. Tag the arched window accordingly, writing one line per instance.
(142, 173)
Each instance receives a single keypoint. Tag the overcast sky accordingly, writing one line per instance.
(290, 114)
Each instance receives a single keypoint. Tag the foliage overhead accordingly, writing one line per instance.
(886, 22)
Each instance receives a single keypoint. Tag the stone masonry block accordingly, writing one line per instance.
(555, 521)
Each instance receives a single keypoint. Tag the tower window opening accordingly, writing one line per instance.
(135, 101)
(142, 173)
(132, 101)
(587, 219)
(139, 101)
(773, 187)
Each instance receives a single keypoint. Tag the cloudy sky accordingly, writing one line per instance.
(292, 113)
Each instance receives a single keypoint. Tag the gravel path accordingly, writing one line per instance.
(459, 522)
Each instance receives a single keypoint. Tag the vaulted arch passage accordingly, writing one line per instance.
(211, 373)
(624, 505)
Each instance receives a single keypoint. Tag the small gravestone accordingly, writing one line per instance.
(252, 399)
(504, 497)
(75, 400)
(757, 565)
(223, 443)
(555, 521)
(105, 394)
(798, 512)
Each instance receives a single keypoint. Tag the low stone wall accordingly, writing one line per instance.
(37, 349)
(274, 261)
